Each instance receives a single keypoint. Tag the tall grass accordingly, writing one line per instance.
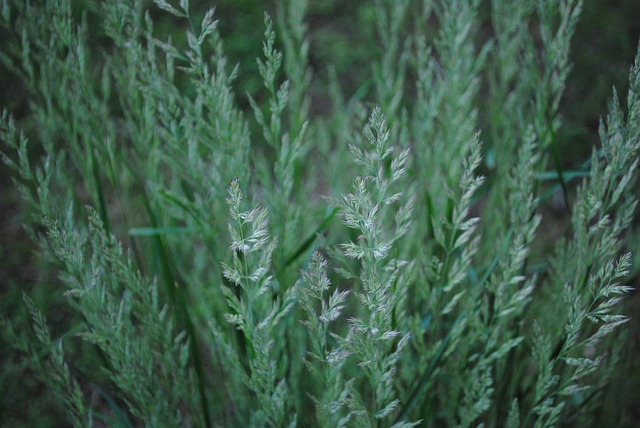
(379, 265)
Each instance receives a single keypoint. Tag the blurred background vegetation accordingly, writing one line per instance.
(342, 37)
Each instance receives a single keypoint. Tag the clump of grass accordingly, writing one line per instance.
(216, 288)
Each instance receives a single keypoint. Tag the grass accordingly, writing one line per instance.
(264, 250)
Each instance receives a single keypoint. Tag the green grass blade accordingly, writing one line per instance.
(558, 164)
(122, 417)
(423, 382)
(175, 291)
(102, 205)
(567, 175)
(307, 243)
(180, 204)
(156, 231)
(494, 263)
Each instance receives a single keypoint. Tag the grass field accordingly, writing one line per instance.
(414, 213)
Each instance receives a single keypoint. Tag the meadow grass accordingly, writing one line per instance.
(379, 264)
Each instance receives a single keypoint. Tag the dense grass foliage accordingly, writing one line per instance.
(281, 254)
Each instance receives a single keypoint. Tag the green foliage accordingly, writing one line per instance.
(207, 277)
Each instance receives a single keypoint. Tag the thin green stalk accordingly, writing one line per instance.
(176, 292)
(418, 392)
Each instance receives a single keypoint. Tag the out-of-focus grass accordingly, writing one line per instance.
(602, 52)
